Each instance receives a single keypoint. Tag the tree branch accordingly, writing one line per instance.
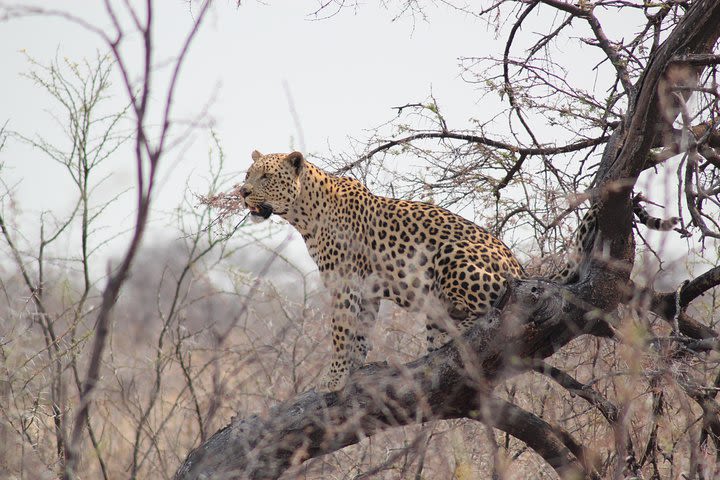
(696, 33)
(664, 304)
(698, 59)
(571, 147)
(452, 382)
(607, 409)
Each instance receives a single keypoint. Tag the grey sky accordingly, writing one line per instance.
(344, 74)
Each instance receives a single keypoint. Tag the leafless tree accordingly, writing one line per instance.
(93, 138)
(642, 362)
(183, 344)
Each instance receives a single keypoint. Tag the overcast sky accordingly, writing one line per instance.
(343, 75)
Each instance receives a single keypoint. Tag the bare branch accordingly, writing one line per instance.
(580, 145)
(698, 59)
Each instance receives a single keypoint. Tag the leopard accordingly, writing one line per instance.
(369, 248)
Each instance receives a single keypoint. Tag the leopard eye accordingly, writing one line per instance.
(264, 176)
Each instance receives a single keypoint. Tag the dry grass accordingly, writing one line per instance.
(240, 350)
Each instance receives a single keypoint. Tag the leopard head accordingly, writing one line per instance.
(272, 184)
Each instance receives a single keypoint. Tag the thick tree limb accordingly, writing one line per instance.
(452, 382)
(698, 59)
(628, 148)
(664, 304)
(705, 133)
(551, 443)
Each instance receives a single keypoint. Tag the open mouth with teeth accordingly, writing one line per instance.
(264, 210)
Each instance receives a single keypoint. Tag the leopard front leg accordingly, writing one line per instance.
(351, 322)
(361, 342)
(441, 327)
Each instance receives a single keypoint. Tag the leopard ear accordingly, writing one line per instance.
(255, 155)
(297, 161)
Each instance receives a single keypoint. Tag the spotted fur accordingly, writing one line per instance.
(368, 248)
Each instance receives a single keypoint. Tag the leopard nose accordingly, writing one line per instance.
(245, 191)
